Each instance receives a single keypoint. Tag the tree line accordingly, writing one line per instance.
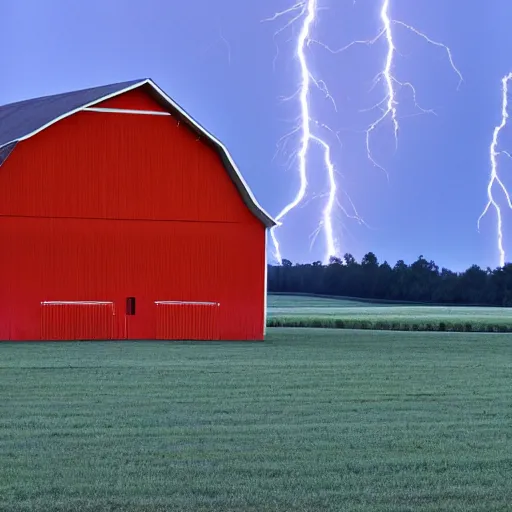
(422, 281)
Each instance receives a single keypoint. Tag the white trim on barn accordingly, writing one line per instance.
(265, 286)
(186, 302)
(75, 302)
(216, 141)
(126, 111)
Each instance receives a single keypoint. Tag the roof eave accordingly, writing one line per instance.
(227, 159)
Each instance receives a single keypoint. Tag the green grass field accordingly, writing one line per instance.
(310, 420)
(297, 311)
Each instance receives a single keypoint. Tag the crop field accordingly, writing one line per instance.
(297, 311)
(309, 420)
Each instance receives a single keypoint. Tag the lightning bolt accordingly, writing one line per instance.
(391, 82)
(494, 179)
(389, 103)
(306, 11)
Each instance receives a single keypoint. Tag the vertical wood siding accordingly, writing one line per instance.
(101, 207)
(119, 166)
(77, 321)
(187, 321)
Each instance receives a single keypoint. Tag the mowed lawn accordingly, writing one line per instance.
(309, 420)
(351, 309)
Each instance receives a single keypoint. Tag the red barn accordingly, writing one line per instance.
(122, 218)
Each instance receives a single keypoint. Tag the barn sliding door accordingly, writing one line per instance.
(77, 320)
(187, 320)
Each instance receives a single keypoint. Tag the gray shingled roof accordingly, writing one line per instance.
(18, 120)
(23, 119)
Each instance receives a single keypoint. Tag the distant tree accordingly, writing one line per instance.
(385, 278)
(473, 282)
(447, 287)
(349, 259)
(422, 281)
(370, 260)
(400, 282)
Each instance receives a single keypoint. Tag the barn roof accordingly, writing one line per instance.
(22, 120)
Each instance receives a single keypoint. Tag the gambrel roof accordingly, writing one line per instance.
(22, 120)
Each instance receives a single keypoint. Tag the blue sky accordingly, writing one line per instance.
(217, 60)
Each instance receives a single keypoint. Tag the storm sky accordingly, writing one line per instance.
(218, 60)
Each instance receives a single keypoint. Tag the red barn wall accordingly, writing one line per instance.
(136, 99)
(105, 206)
